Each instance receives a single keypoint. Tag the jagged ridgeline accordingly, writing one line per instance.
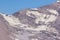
(41, 23)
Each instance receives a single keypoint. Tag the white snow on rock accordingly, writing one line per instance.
(58, 0)
(11, 20)
(41, 16)
(53, 11)
(39, 28)
(51, 19)
(34, 8)
(33, 12)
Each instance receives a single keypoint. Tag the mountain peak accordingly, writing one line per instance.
(34, 23)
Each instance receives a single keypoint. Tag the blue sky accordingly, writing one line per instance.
(11, 6)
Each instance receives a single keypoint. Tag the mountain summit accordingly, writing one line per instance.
(41, 23)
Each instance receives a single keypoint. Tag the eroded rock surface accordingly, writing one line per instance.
(32, 24)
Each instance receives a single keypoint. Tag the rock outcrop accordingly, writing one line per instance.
(32, 24)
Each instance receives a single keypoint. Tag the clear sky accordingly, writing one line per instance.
(11, 6)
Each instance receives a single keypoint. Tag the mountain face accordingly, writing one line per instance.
(32, 24)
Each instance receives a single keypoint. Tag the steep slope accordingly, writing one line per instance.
(32, 24)
(3, 29)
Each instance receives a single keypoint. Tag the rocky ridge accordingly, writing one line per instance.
(33, 24)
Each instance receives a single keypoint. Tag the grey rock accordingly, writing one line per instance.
(32, 24)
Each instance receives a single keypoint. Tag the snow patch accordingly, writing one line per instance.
(51, 19)
(58, 1)
(37, 14)
(53, 11)
(11, 20)
(41, 16)
(34, 8)
(39, 28)
(32, 12)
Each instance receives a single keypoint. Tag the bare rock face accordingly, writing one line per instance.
(32, 24)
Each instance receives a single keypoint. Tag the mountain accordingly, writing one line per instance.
(42, 23)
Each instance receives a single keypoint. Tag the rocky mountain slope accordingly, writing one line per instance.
(41, 23)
